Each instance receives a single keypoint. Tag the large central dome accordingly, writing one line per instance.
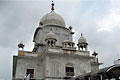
(53, 18)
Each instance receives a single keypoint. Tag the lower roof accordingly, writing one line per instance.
(108, 73)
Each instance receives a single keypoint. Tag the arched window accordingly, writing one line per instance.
(69, 44)
(65, 44)
(48, 43)
(69, 68)
(52, 43)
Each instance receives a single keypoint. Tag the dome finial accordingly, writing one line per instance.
(21, 45)
(81, 34)
(95, 53)
(52, 6)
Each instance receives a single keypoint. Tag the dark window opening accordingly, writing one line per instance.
(31, 72)
(51, 43)
(69, 44)
(48, 43)
(65, 44)
(69, 71)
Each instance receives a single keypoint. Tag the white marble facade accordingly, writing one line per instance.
(49, 61)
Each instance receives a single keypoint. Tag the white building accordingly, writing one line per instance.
(54, 56)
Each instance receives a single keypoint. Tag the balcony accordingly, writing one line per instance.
(69, 74)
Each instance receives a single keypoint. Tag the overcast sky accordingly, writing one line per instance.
(98, 20)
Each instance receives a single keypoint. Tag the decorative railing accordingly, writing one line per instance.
(69, 74)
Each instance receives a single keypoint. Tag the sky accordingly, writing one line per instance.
(98, 20)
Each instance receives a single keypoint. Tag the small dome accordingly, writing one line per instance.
(82, 39)
(51, 35)
(52, 18)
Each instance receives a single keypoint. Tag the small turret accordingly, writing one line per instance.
(82, 43)
(51, 39)
(21, 46)
(21, 49)
(95, 55)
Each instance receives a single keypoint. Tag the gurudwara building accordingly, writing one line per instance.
(54, 56)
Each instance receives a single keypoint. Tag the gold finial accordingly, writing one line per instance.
(52, 6)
